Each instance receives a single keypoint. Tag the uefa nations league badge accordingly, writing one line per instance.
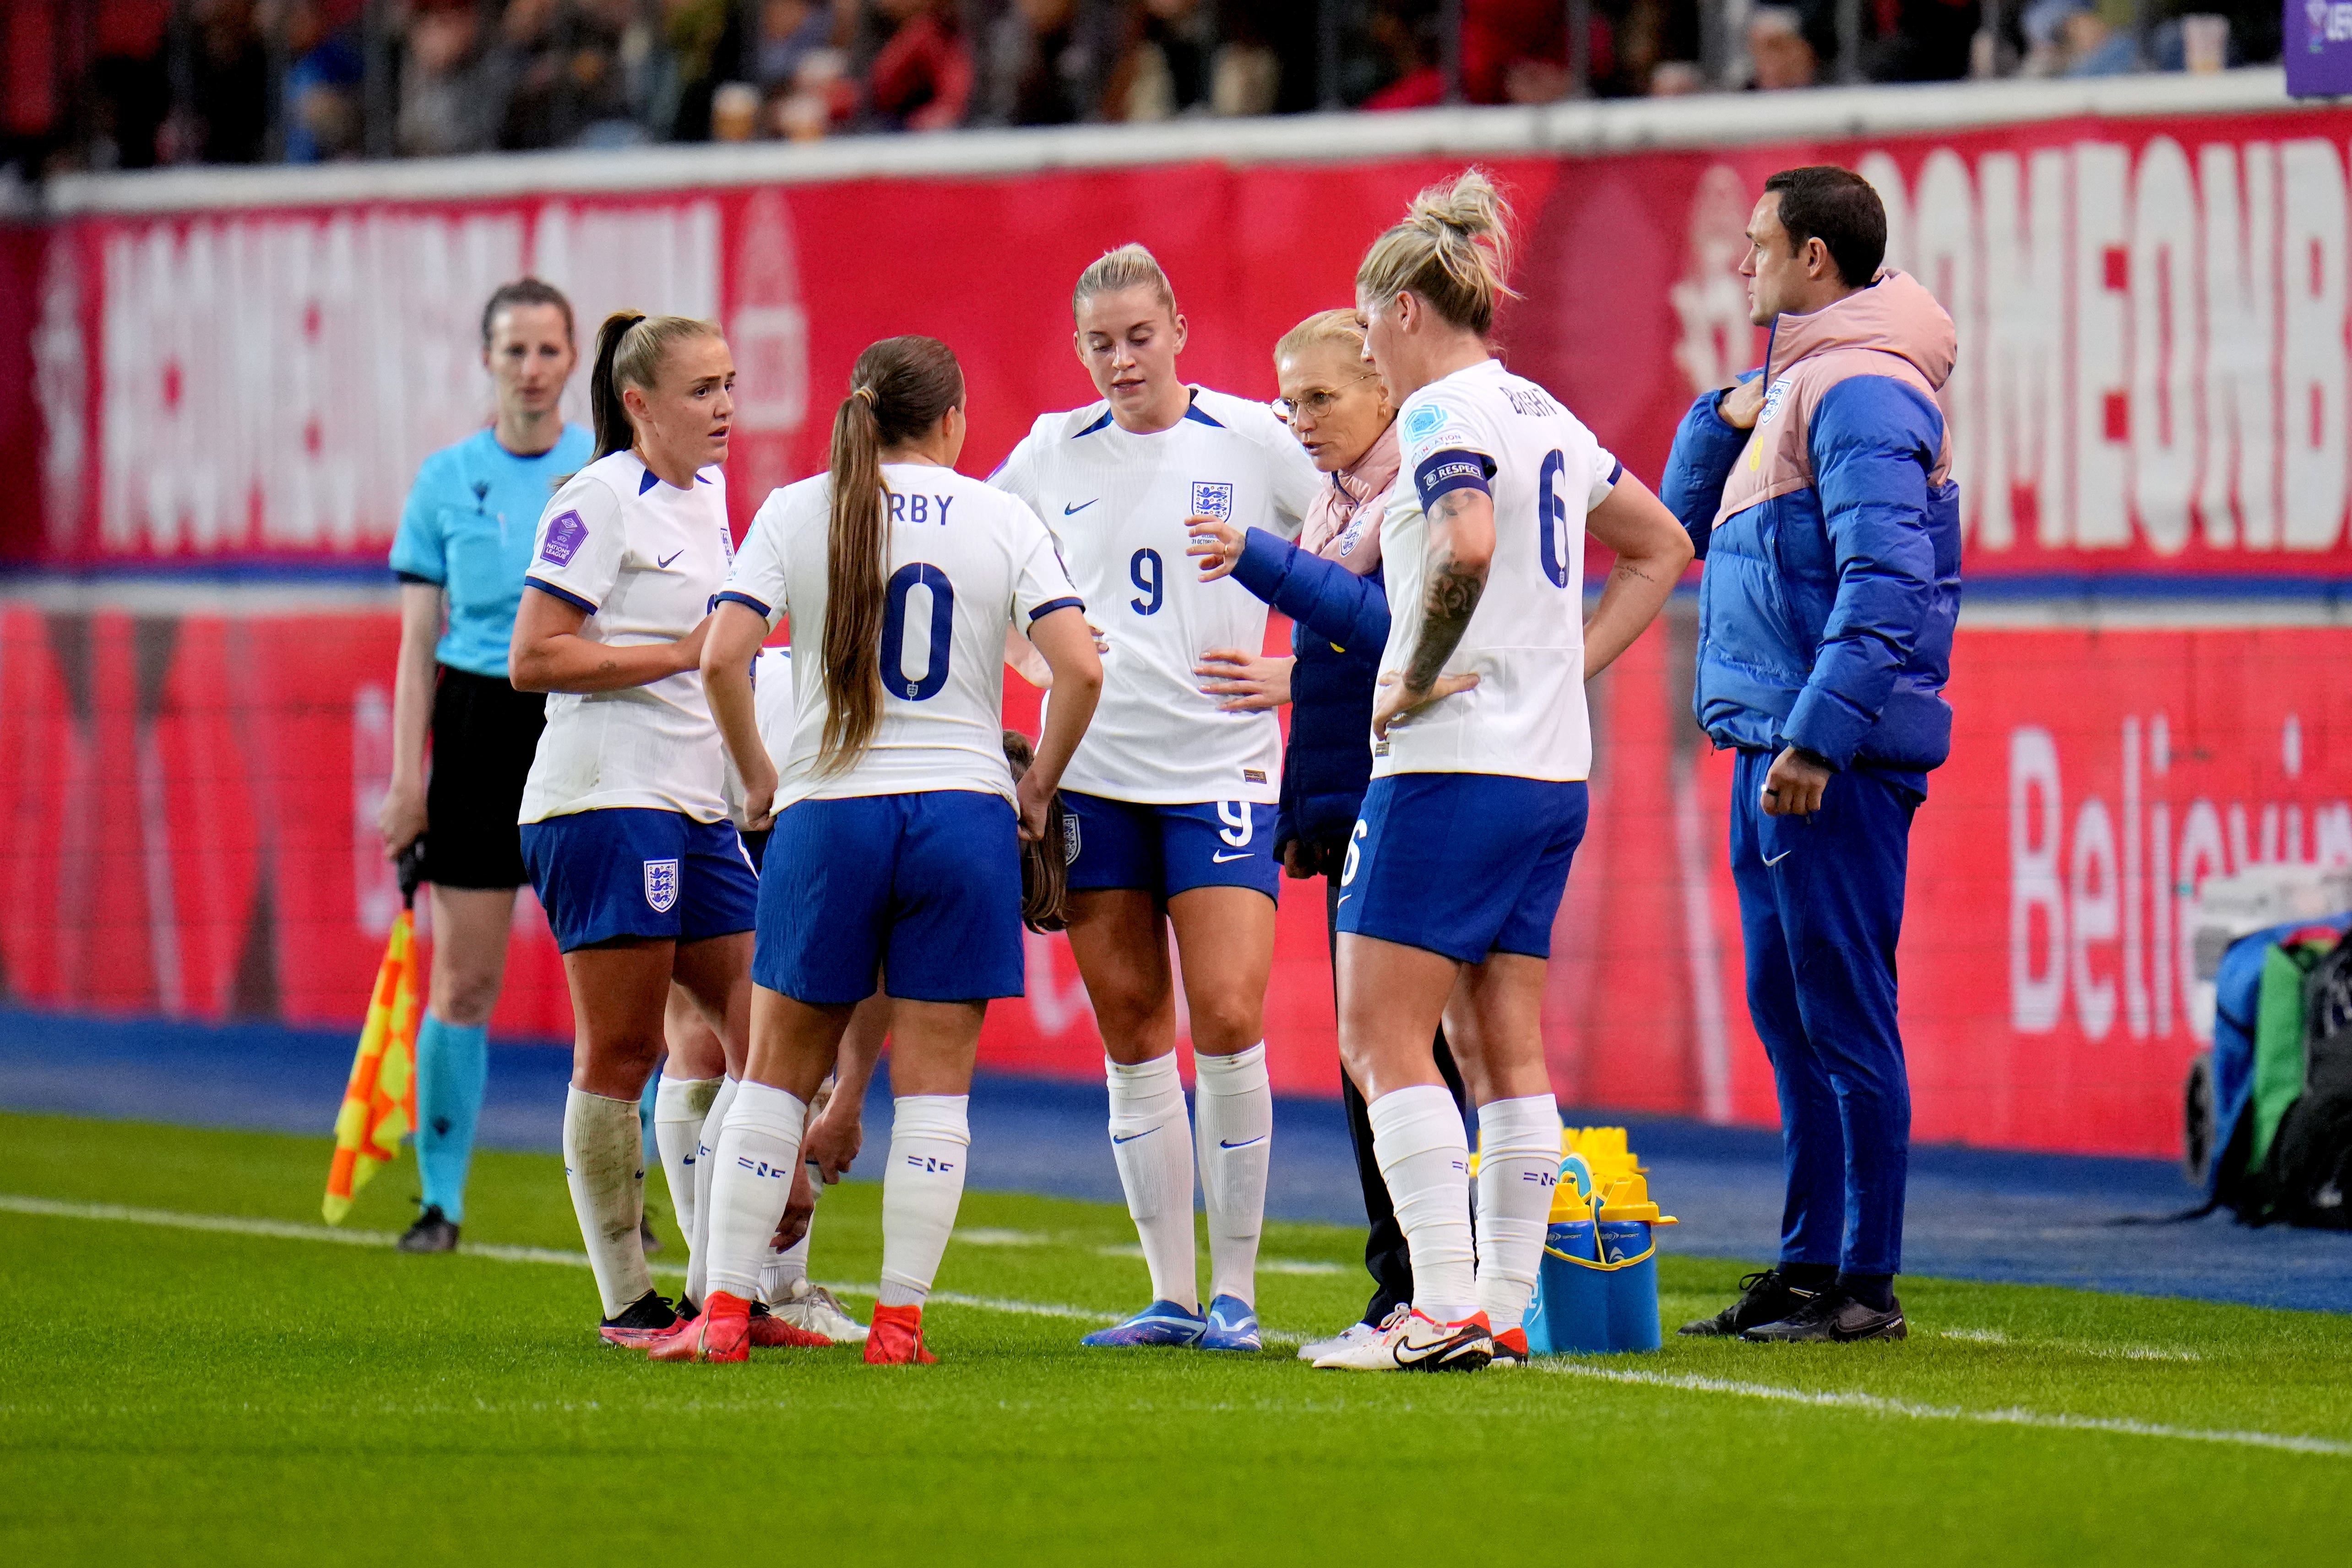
(1212, 499)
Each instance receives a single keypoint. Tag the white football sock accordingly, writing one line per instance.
(752, 1180)
(784, 1270)
(922, 1186)
(1423, 1156)
(706, 1166)
(1152, 1143)
(679, 1106)
(603, 1164)
(1518, 1166)
(1233, 1109)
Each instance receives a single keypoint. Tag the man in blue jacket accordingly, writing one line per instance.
(1819, 494)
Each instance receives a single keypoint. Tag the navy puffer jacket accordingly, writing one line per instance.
(1340, 625)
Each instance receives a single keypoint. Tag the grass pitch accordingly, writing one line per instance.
(178, 1395)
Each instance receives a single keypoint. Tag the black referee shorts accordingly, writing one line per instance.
(484, 734)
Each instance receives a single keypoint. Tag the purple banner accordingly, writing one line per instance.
(2318, 36)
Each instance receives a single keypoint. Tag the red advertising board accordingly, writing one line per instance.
(190, 801)
(2155, 375)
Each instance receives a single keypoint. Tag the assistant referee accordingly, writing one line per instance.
(1820, 494)
(463, 544)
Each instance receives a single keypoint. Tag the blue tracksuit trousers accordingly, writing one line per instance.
(1821, 904)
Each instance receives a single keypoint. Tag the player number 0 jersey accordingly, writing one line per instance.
(1525, 642)
(964, 562)
(1117, 503)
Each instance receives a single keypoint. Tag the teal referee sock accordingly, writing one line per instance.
(452, 1062)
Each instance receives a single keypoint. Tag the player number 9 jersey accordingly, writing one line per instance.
(1487, 429)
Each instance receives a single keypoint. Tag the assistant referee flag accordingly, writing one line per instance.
(379, 1100)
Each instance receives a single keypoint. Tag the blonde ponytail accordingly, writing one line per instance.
(1454, 249)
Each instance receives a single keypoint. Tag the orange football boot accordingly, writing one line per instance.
(724, 1332)
(896, 1338)
(769, 1332)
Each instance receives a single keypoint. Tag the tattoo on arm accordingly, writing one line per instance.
(1453, 592)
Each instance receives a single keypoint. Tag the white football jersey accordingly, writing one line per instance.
(965, 562)
(1526, 716)
(771, 710)
(642, 560)
(1117, 503)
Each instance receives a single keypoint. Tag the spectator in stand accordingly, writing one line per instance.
(1041, 67)
(227, 119)
(922, 78)
(789, 32)
(449, 102)
(705, 43)
(1783, 56)
(322, 86)
(1166, 65)
(562, 67)
(1924, 40)
(1404, 35)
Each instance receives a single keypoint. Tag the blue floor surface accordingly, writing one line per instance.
(1973, 1212)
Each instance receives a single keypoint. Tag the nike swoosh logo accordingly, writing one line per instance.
(1133, 1137)
(663, 562)
(1222, 859)
(1344, 897)
(1410, 1351)
(1244, 1143)
(1776, 859)
(1070, 511)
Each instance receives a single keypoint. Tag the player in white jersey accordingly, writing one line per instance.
(1171, 802)
(691, 1108)
(1480, 746)
(624, 831)
(895, 850)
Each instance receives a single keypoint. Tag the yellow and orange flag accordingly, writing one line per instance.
(379, 1100)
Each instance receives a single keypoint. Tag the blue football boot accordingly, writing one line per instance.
(1161, 1323)
(1232, 1326)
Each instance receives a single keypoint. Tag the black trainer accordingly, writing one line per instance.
(641, 1320)
(433, 1232)
(1833, 1317)
(1764, 1298)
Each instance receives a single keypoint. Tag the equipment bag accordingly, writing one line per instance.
(2307, 1169)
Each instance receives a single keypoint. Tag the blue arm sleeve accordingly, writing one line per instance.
(1873, 441)
(1343, 609)
(1704, 449)
(419, 549)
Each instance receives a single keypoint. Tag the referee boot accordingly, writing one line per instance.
(433, 1232)
(1764, 1298)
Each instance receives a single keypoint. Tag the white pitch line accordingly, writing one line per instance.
(1877, 1405)
(1870, 1404)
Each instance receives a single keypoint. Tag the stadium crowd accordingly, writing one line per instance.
(100, 84)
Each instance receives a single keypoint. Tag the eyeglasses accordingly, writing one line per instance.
(1315, 403)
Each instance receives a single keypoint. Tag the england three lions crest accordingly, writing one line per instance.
(1212, 499)
(661, 885)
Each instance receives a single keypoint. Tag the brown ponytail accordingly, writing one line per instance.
(630, 348)
(899, 390)
(1045, 866)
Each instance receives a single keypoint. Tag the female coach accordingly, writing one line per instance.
(464, 543)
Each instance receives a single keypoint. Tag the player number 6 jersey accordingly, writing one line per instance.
(1485, 427)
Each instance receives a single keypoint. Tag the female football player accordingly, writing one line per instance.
(626, 830)
(1453, 873)
(895, 852)
(1170, 802)
(465, 542)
